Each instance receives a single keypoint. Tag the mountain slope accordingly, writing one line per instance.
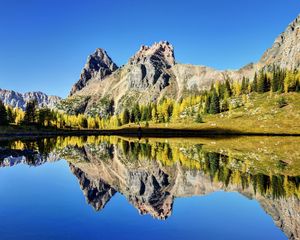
(19, 100)
(285, 51)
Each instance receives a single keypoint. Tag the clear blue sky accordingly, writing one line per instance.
(44, 43)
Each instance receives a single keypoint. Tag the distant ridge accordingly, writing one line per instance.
(19, 100)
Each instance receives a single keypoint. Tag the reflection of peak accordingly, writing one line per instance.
(97, 193)
(149, 193)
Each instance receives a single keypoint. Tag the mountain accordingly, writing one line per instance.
(19, 100)
(150, 74)
(153, 73)
(98, 66)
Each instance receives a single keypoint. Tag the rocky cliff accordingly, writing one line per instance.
(285, 51)
(19, 100)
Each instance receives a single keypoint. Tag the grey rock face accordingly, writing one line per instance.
(285, 51)
(149, 66)
(19, 100)
(98, 66)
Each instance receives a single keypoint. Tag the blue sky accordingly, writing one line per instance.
(44, 43)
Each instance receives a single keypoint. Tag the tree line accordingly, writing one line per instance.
(215, 100)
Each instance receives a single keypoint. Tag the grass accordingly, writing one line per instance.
(259, 115)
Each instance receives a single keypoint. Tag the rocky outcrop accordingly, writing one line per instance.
(98, 66)
(19, 100)
(285, 51)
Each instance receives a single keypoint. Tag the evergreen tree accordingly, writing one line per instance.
(125, 116)
(244, 85)
(214, 107)
(207, 104)
(30, 113)
(3, 115)
(82, 121)
(254, 83)
(44, 117)
(275, 80)
(136, 113)
(228, 87)
(262, 84)
(11, 115)
(111, 108)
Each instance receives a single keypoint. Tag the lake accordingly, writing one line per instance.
(155, 188)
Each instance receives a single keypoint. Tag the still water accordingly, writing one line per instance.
(119, 188)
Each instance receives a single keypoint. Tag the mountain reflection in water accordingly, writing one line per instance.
(151, 173)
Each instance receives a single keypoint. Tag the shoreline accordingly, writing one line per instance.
(143, 132)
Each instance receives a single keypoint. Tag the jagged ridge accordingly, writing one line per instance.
(19, 100)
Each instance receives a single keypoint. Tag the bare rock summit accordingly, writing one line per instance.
(98, 66)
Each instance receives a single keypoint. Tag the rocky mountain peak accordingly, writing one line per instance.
(161, 52)
(98, 66)
(285, 51)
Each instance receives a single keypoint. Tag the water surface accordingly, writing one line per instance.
(110, 187)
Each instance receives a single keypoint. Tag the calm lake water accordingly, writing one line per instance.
(119, 188)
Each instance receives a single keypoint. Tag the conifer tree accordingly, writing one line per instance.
(275, 80)
(125, 116)
(262, 84)
(254, 83)
(214, 107)
(30, 113)
(228, 88)
(136, 113)
(207, 104)
(3, 115)
(10, 115)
